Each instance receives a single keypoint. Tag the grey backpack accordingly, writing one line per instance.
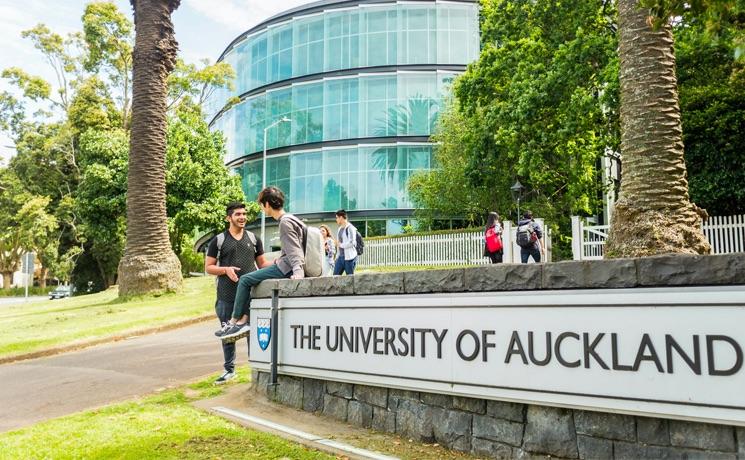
(313, 249)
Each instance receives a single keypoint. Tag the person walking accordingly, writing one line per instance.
(329, 250)
(346, 260)
(529, 237)
(493, 248)
(232, 253)
(289, 264)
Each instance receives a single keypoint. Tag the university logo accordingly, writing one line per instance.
(263, 332)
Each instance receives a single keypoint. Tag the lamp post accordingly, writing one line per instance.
(263, 175)
(517, 192)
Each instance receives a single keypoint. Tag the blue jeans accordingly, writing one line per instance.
(246, 282)
(343, 266)
(223, 310)
(527, 252)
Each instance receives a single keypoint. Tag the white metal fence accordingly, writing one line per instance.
(726, 234)
(461, 248)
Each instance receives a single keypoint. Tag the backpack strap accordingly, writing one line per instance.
(302, 225)
(220, 240)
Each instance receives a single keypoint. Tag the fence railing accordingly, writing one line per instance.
(461, 248)
(726, 234)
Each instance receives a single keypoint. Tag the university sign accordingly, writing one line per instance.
(667, 352)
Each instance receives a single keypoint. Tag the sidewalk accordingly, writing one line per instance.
(253, 410)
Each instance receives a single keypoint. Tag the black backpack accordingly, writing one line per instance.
(359, 243)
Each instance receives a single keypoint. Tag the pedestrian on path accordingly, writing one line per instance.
(329, 250)
(289, 264)
(230, 254)
(346, 260)
(529, 237)
(493, 248)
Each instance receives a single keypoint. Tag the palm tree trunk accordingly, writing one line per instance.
(654, 214)
(149, 264)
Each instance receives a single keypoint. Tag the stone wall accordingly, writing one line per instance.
(500, 429)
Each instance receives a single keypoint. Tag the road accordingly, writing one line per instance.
(19, 300)
(40, 389)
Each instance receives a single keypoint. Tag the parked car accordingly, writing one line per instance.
(61, 292)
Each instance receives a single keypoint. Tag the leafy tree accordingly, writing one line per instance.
(197, 182)
(540, 105)
(39, 233)
(12, 197)
(711, 82)
(149, 265)
(653, 214)
(195, 84)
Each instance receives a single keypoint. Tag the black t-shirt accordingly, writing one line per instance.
(234, 253)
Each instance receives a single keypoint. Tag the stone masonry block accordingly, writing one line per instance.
(426, 281)
(491, 449)
(375, 396)
(594, 448)
(395, 395)
(313, 391)
(494, 429)
(332, 285)
(335, 407)
(452, 428)
(290, 391)
(550, 430)
(632, 451)
(688, 270)
(702, 436)
(414, 420)
(652, 431)
(379, 283)
(264, 289)
(477, 406)
(586, 274)
(604, 425)
(503, 277)
(438, 400)
(360, 414)
(384, 420)
(295, 288)
(514, 412)
(741, 442)
(343, 390)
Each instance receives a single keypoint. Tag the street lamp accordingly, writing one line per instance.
(263, 175)
(517, 192)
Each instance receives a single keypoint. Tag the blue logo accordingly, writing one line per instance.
(263, 332)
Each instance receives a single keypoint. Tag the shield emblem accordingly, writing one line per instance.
(263, 332)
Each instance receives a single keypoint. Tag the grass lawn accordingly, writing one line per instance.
(26, 328)
(164, 426)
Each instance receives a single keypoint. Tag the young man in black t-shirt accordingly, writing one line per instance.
(231, 254)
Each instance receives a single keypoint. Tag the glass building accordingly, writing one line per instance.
(362, 83)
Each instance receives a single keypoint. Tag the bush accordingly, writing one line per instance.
(191, 261)
(21, 291)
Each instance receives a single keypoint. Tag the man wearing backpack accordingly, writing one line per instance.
(232, 253)
(529, 237)
(289, 264)
(347, 236)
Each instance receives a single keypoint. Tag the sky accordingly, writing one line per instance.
(204, 28)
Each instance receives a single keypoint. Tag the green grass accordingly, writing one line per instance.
(164, 426)
(26, 328)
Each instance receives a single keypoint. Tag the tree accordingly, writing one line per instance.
(12, 197)
(39, 233)
(193, 84)
(539, 105)
(653, 214)
(197, 183)
(149, 265)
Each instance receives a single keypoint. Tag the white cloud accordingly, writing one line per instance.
(240, 15)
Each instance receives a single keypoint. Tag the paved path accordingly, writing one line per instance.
(20, 300)
(40, 389)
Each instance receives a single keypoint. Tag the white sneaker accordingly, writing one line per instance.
(225, 377)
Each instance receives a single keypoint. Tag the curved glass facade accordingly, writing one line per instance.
(366, 35)
(362, 84)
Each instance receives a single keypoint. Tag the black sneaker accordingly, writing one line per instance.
(221, 331)
(235, 332)
(227, 375)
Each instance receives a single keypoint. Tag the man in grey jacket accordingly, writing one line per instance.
(289, 264)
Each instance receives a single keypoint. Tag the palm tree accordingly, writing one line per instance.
(653, 214)
(149, 264)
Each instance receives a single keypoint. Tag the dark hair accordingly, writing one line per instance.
(273, 196)
(232, 206)
(527, 215)
(341, 213)
(492, 219)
